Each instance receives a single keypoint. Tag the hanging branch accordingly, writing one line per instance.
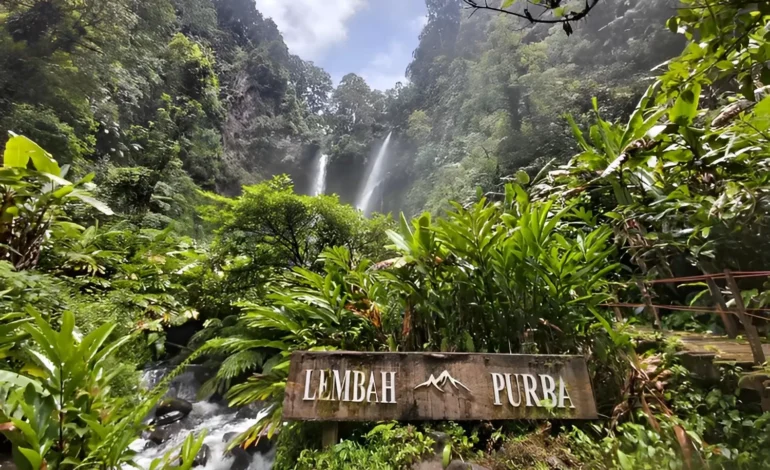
(547, 5)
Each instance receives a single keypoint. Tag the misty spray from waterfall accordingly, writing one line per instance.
(375, 177)
(319, 186)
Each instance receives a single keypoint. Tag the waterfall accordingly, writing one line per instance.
(375, 176)
(221, 423)
(319, 187)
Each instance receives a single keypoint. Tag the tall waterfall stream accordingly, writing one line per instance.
(375, 177)
(319, 186)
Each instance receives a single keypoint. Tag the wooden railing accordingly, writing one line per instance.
(746, 316)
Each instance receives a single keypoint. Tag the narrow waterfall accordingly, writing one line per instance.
(375, 176)
(319, 186)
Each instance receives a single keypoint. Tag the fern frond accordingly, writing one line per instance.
(239, 363)
(212, 386)
(234, 345)
(268, 421)
(270, 387)
(208, 332)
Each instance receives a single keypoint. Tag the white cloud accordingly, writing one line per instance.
(311, 27)
(418, 23)
(387, 68)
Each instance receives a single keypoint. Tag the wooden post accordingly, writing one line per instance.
(751, 330)
(330, 434)
(651, 310)
(618, 314)
(727, 317)
(616, 309)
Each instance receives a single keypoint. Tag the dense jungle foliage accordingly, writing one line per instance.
(153, 207)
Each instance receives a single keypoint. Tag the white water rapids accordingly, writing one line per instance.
(215, 418)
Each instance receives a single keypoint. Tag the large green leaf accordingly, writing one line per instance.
(686, 106)
(93, 202)
(34, 457)
(19, 150)
(19, 381)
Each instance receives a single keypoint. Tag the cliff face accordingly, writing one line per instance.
(267, 129)
(262, 134)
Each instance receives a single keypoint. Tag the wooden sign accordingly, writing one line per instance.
(354, 386)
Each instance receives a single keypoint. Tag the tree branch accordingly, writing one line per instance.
(476, 5)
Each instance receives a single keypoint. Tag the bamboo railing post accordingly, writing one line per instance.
(651, 310)
(727, 317)
(751, 330)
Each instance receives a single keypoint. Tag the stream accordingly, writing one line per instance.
(220, 422)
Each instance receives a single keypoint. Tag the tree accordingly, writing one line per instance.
(313, 84)
(270, 228)
(352, 107)
(558, 11)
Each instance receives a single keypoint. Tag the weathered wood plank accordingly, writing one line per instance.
(436, 386)
(725, 349)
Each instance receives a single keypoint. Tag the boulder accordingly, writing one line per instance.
(441, 440)
(200, 460)
(6, 462)
(159, 436)
(203, 456)
(147, 445)
(249, 411)
(168, 418)
(241, 459)
(432, 464)
(460, 465)
(263, 445)
(171, 405)
(556, 463)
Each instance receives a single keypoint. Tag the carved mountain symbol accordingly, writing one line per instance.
(441, 381)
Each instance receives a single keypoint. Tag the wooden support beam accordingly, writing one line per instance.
(651, 310)
(751, 330)
(727, 316)
(330, 434)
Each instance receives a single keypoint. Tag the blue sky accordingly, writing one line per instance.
(373, 38)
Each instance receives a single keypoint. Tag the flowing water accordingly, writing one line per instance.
(219, 421)
(375, 176)
(319, 187)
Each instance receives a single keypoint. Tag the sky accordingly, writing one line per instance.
(373, 38)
